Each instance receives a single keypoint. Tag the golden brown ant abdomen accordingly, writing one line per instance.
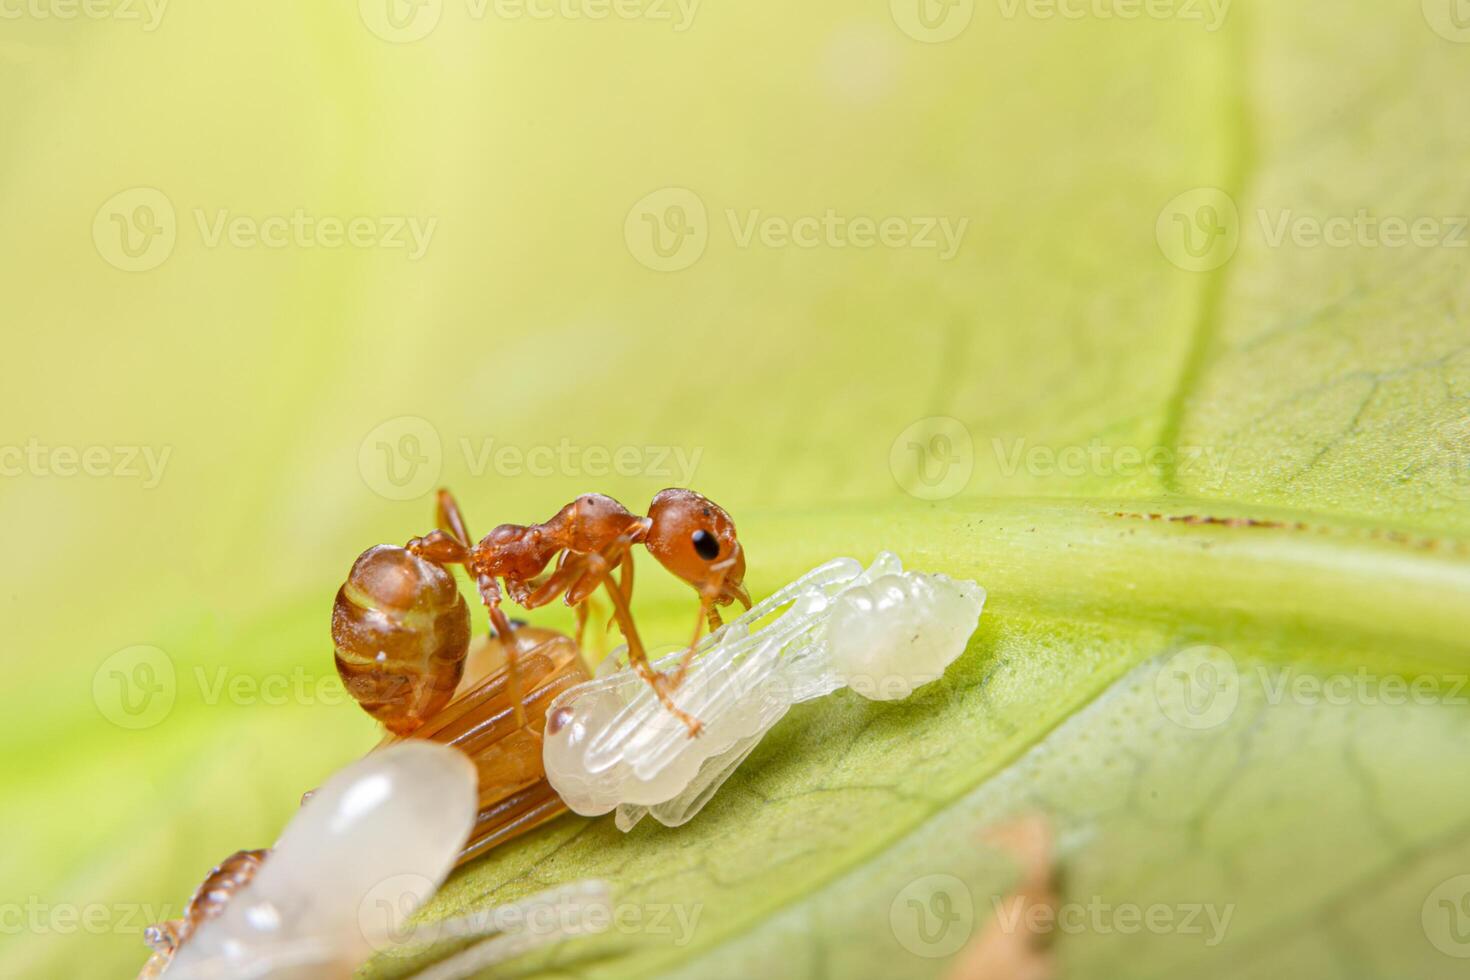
(401, 630)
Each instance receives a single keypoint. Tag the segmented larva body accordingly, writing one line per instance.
(882, 632)
(901, 630)
(401, 631)
(208, 901)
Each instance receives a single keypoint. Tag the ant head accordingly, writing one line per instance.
(694, 538)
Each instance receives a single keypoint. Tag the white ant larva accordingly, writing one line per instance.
(366, 850)
(881, 631)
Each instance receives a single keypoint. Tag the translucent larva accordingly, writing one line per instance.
(351, 868)
(388, 826)
(900, 631)
(881, 631)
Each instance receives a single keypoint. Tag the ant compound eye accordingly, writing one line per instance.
(705, 545)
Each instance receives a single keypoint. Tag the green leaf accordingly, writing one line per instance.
(808, 854)
(1266, 458)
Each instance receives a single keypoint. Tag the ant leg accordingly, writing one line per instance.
(599, 565)
(581, 612)
(625, 586)
(707, 611)
(572, 568)
(638, 660)
(626, 583)
(576, 575)
(676, 677)
(490, 596)
(597, 613)
(450, 519)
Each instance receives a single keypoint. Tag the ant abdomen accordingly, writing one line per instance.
(401, 631)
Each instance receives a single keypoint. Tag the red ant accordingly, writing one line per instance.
(594, 535)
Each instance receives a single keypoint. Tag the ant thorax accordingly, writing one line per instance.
(514, 552)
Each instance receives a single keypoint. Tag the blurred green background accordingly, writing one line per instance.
(699, 244)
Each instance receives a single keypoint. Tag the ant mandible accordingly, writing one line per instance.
(689, 534)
